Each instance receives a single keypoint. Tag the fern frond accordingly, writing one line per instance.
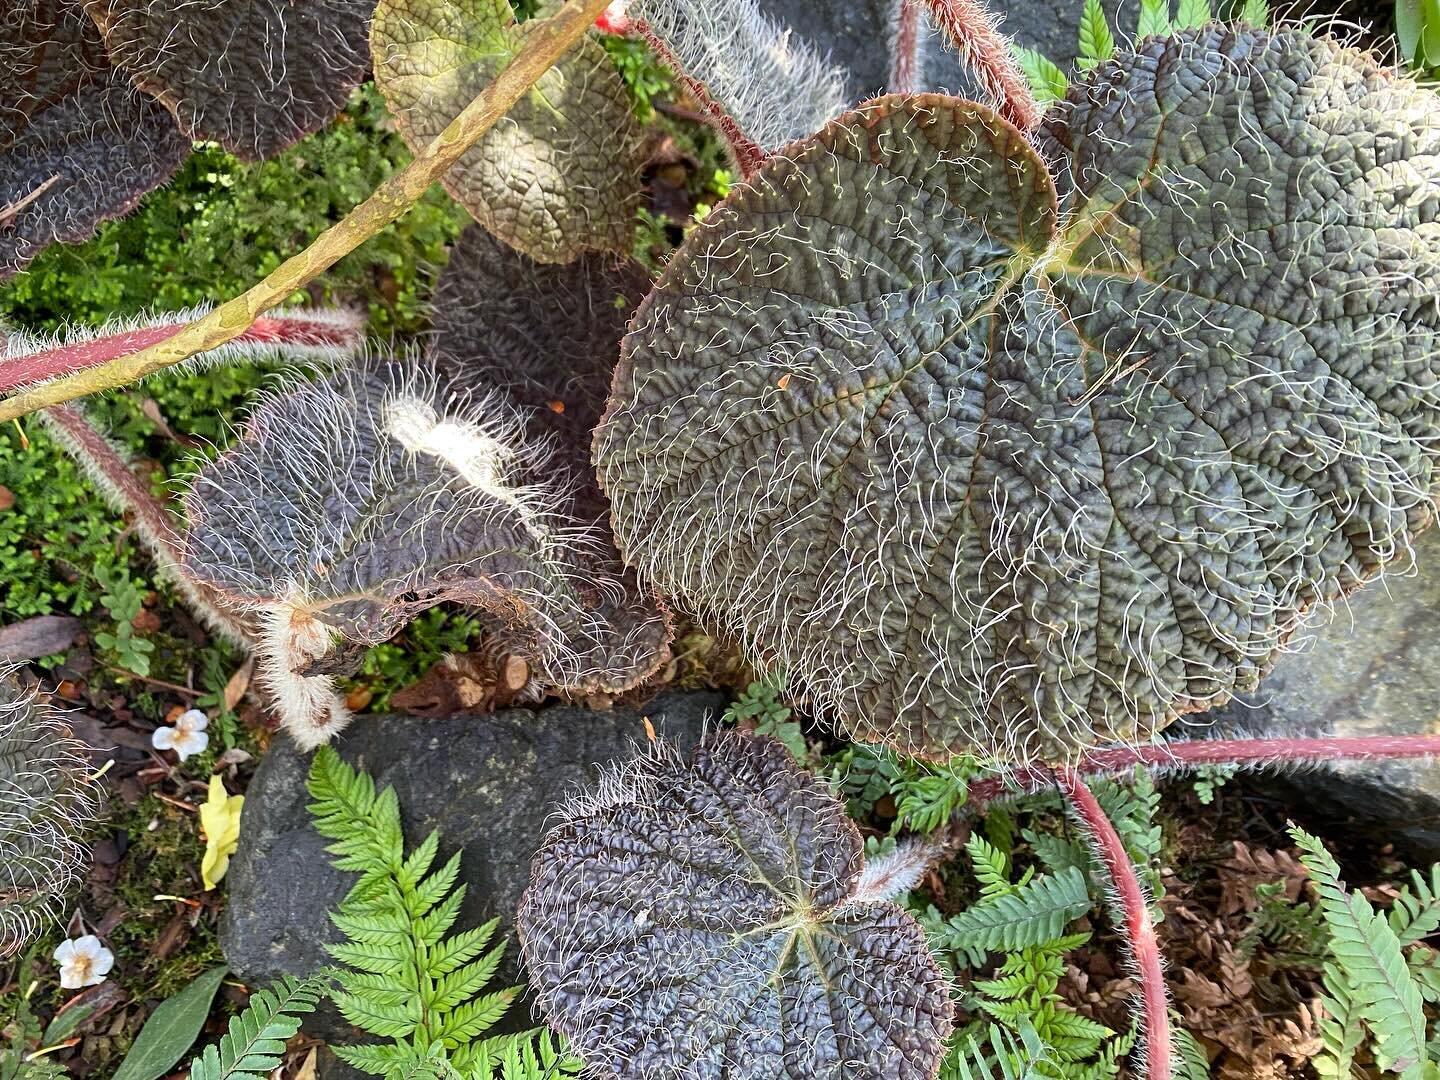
(254, 1044)
(997, 1054)
(530, 1055)
(1190, 1060)
(1341, 1028)
(991, 865)
(1256, 13)
(1367, 952)
(472, 1019)
(1416, 912)
(1033, 914)
(1047, 82)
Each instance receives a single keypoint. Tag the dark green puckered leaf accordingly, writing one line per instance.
(253, 75)
(559, 175)
(549, 336)
(78, 144)
(362, 499)
(705, 920)
(980, 480)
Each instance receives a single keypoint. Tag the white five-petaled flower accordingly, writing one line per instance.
(83, 962)
(186, 737)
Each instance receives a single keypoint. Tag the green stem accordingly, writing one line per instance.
(549, 41)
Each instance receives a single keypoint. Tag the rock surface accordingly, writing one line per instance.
(1374, 670)
(488, 783)
(856, 34)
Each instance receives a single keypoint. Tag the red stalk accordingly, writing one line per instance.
(1181, 755)
(749, 155)
(1135, 914)
(292, 330)
(973, 31)
(905, 49)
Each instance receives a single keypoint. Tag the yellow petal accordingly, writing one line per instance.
(220, 826)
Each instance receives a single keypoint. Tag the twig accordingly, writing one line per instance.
(1135, 918)
(545, 44)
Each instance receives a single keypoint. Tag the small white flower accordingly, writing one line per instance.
(186, 737)
(83, 962)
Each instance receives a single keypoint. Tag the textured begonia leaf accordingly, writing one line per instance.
(549, 336)
(981, 475)
(559, 175)
(371, 495)
(700, 920)
(48, 798)
(78, 144)
(255, 76)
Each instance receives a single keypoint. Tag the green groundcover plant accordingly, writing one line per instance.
(1009, 430)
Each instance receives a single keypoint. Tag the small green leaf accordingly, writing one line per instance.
(1097, 43)
(171, 1030)
(1256, 13)
(1409, 24)
(1192, 14)
(1047, 81)
(1428, 55)
(1154, 19)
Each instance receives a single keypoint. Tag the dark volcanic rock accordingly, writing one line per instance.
(856, 34)
(1375, 670)
(488, 783)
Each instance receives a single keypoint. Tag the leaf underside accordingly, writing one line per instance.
(559, 175)
(378, 492)
(78, 144)
(981, 475)
(255, 76)
(548, 335)
(695, 920)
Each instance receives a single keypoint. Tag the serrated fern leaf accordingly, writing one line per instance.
(1097, 43)
(1154, 19)
(1192, 14)
(991, 865)
(1367, 953)
(1189, 1056)
(1035, 913)
(403, 979)
(1416, 912)
(530, 1055)
(994, 1054)
(254, 1044)
(1047, 81)
(1341, 1028)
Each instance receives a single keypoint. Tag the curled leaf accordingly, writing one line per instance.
(352, 504)
(704, 919)
(559, 175)
(986, 471)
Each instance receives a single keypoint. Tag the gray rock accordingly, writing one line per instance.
(488, 783)
(1374, 670)
(856, 34)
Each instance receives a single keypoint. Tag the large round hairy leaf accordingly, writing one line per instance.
(366, 497)
(559, 175)
(253, 75)
(981, 472)
(701, 920)
(48, 798)
(78, 145)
